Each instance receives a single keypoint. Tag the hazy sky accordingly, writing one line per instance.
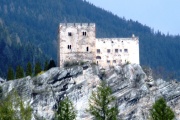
(163, 15)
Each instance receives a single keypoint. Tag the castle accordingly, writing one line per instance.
(78, 42)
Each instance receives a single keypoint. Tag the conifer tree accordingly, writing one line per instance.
(9, 105)
(66, 110)
(160, 111)
(10, 74)
(29, 69)
(46, 65)
(51, 64)
(19, 72)
(100, 102)
(37, 68)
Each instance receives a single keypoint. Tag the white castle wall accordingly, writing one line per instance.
(77, 42)
(117, 51)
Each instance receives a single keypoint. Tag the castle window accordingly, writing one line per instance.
(87, 49)
(116, 50)
(69, 46)
(114, 61)
(108, 50)
(69, 34)
(126, 50)
(98, 57)
(120, 50)
(98, 50)
(108, 61)
(84, 33)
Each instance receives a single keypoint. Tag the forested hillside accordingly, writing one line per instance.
(36, 22)
(14, 53)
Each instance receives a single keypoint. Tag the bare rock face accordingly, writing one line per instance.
(135, 93)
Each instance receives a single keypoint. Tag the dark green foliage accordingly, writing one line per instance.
(51, 64)
(19, 72)
(46, 65)
(99, 104)
(6, 110)
(160, 111)
(9, 111)
(16, 52)
(10, 74)
(29, 69)
(66, 110)
(37, 68)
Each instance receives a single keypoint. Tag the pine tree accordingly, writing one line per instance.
(51, 64)
(37, 68)
(10, 74)
(160, 111)
(66, 110)
(19, 72)
(100, 102)
(29, 69)
(46, 65)
(9, 105)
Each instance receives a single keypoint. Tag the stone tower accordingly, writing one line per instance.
(77, 42)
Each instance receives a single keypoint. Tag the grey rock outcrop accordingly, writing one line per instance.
(135, 93)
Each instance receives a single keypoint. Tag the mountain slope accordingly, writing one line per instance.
(14, 53)
(37, 22)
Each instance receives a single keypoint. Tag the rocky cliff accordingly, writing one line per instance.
(134, 90)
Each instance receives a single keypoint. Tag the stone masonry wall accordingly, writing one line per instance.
(78, 42)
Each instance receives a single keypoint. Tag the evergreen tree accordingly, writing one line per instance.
(66, 110)
(25, 112)
(160, 111)
(51, 64)
(29, 69)
(19, 72)
(10, 74)
(100, 102)
(6, 110)
(9, 111)
(46, 65)
(37, 68)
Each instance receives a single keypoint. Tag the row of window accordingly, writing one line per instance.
(69, 47)
(83, 33)
(108, 61)
(116, 50)
(98, 50)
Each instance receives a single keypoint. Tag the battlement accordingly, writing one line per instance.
(118, 39)
(77, 24)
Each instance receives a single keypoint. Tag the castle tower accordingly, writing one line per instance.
(76, 42)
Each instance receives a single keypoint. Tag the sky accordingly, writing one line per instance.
(162, 15)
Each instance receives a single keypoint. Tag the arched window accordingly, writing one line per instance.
(98, 57)
(84, 33)
(68, 46)
(87, 49)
